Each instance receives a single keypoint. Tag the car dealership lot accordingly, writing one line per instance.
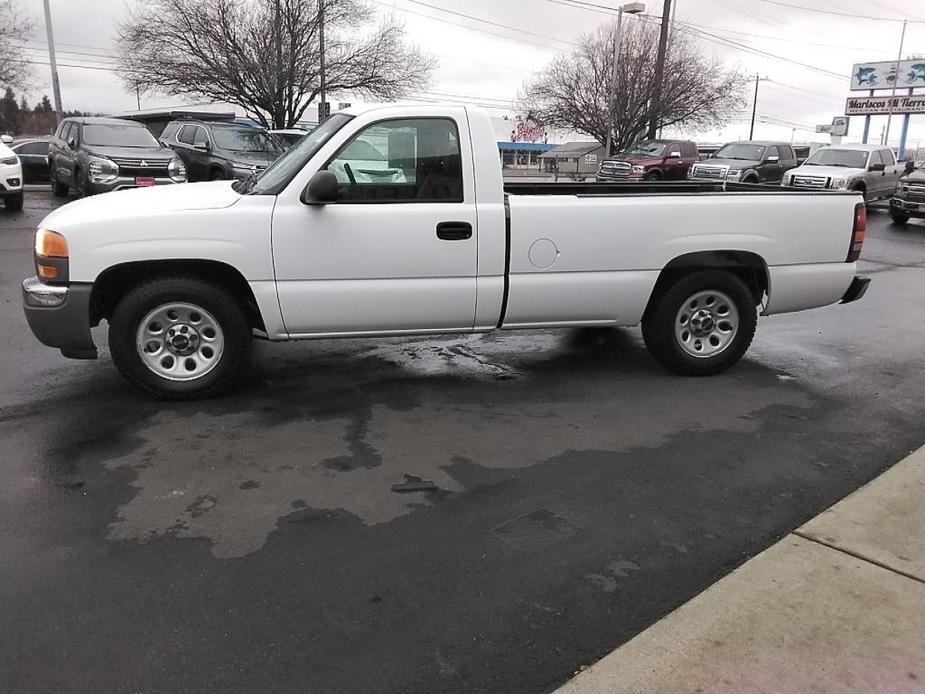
(579, 492)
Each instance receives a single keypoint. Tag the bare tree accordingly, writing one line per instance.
(263, 55)
(15, 28)
(573, 91)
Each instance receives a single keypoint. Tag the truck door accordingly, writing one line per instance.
(674, 162)
(397, 251)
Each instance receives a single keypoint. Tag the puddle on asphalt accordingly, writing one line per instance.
(229, 477)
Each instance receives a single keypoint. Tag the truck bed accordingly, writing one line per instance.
(635, 188)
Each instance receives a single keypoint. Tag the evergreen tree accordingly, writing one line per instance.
(9, 112)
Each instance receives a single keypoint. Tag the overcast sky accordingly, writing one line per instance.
(487, 63)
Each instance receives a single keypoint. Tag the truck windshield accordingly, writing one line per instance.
(278, 174)
(740, 150)
(244, 139)
(850, 158)
(110, 135)
(652, 148)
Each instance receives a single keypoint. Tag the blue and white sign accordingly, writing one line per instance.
(866, 76)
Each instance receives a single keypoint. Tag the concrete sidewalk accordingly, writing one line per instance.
(836, 606)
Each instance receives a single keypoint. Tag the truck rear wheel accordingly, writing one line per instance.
(180, 338)
(899, 218)
(702, 323)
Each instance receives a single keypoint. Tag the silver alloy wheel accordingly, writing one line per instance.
(706, 324)
(180, 341)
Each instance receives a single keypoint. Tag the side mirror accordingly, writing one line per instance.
(321, 189)
(876, 167)
(674, 155)
(72, 142)
(202, 146)
(6, 139)
(773, 159)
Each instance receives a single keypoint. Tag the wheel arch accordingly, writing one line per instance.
(115, 281)
(750, 267)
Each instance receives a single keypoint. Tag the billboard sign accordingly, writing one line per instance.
(884, 75)
(881, 105)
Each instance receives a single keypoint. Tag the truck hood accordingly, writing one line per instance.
(130, 152)
(827, 171)
(731, 163)
(142, 202)
(917, 176)
(638, 159)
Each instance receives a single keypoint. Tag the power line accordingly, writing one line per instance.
(852, 15)
(464, 26)
(490, 23)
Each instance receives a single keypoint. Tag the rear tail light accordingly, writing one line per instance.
(857, 232)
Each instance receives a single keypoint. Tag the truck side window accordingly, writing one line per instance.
(771, 152)
(886, 156)
(401, 160)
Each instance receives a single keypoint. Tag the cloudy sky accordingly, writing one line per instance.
(487, 48)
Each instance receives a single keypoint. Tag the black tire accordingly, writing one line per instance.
(13, 202)
(658, 324)
(862, 190)
(216, 300)
(653, 176)
(752, 179)
(57, 188)
(899, 218)
(217, 175)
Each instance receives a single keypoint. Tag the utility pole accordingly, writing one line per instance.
(55, 86)
(889, 115)
(751, 129)
(659, 69)
(138, 97)
(323, 108)
(629, 8)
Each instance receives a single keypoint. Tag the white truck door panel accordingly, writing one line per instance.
(393, 255)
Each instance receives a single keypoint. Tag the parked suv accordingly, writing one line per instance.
(749, 161)
(650, 160)
(96, 155)
(214, 150)
(909, 198)
(10, 176)
(868, 169)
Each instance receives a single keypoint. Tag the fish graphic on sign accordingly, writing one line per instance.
(866, 75)
(916, 73)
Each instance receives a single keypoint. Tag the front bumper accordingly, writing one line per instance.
(10, 179)
(59, 316)
(909, 207)
(123, 183)
(856, 290)
(605, 178)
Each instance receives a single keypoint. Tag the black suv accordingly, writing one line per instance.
(96, 155)
(750, 161)
(215, 150)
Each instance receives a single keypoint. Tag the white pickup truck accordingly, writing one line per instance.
(395, 221)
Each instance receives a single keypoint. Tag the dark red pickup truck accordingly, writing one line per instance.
(650, 160)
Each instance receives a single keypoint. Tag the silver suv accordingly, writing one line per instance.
(868, 169)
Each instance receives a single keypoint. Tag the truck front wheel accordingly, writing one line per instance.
(702, 323)
(180, 338)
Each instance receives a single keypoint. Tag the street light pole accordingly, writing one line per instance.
(889, 115)
(751, 130)
(323, 109)
(659, 69)
(55, 86)
(611, 117)
(630, 8)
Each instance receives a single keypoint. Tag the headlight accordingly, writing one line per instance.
(840, 183)
(50, 244)
(639, 169)
(734, 172)
(102, 170)
(176, 170)
(900, 188)
(10, 160)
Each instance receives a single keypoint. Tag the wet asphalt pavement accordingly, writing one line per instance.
(254, 543)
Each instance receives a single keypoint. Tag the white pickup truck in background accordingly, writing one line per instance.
(395, 221)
